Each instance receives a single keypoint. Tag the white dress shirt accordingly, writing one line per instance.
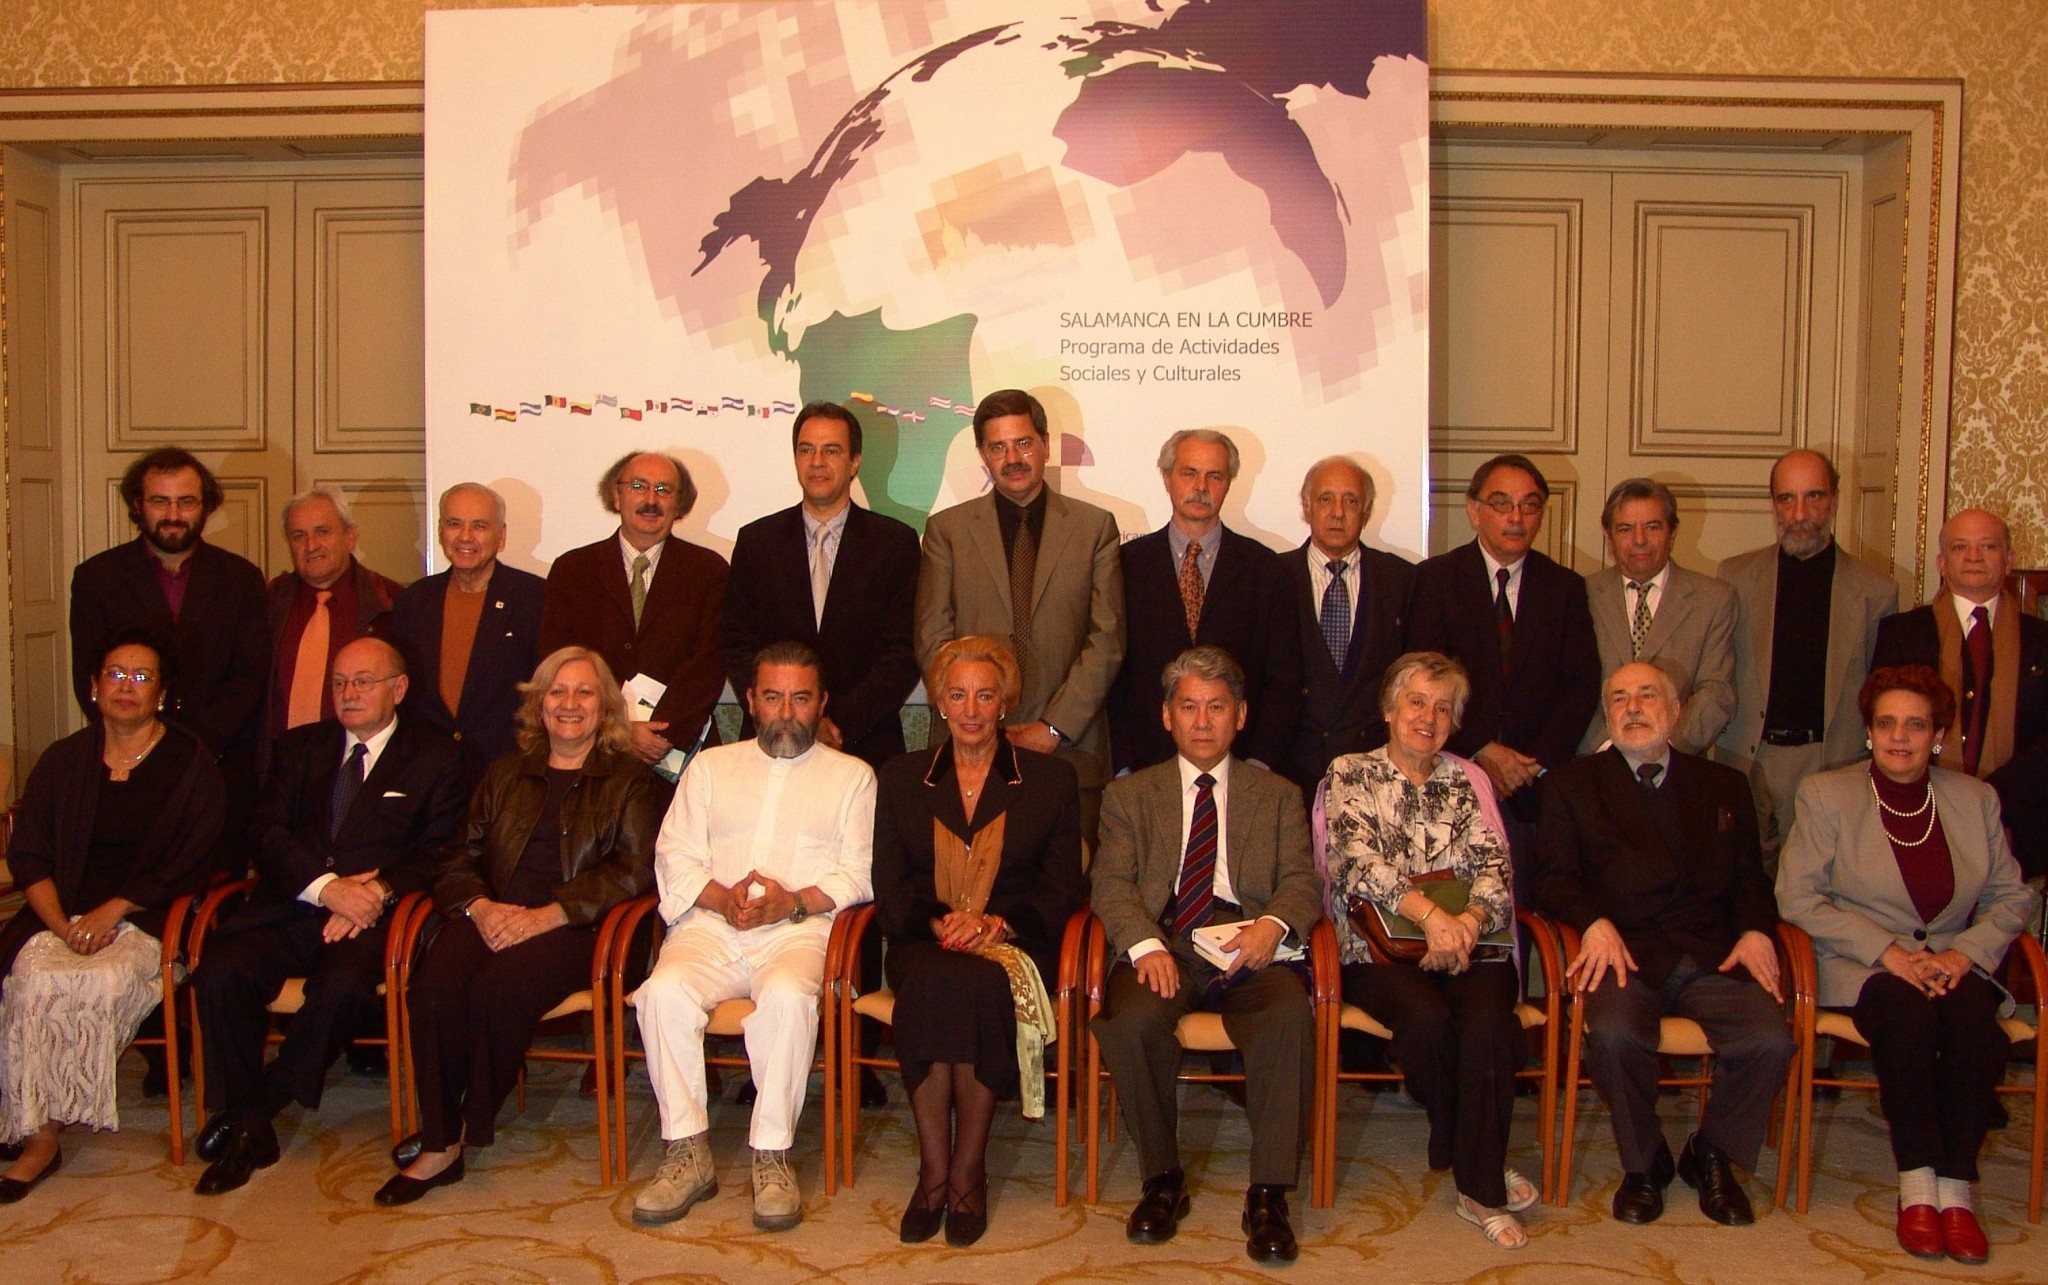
(653, 555)
(1220, 885)
(1493, 570)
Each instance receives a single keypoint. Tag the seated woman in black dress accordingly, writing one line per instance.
(977, 869)
(557, 835)
(117, 822)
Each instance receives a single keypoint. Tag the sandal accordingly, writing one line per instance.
(1522, 1194)
(1501, 1227)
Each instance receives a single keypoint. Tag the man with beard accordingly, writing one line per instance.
(765, 840)
(1807, 626)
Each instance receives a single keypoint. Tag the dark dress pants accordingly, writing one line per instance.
(1267, 1016)
(473, 1014)
(1939, 1062)
(1458, 1044)
(243, 970)
(1745, 1028)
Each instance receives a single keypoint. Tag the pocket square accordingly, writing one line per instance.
(394, 794)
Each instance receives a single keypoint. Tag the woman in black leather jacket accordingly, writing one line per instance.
(557, 835)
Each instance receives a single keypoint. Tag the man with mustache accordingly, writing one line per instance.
(1039, 573)
(765, 841)
(1807, 627)
(647, 601)
(1197, 583)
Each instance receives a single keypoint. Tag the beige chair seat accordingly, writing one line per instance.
(1202, 1033)
(1839, 1026)
(1681, 1037)
(293, 997)
(878, 1005)
(726, 1019)
(1353, 1018)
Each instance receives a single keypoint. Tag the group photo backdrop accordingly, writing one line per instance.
(667, 228)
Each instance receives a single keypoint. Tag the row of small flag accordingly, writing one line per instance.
(652, 406)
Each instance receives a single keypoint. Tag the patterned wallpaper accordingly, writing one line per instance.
(1999, 440)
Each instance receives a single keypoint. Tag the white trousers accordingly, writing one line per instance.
(706, 961)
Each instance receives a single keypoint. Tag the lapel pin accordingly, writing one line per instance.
(500, 606)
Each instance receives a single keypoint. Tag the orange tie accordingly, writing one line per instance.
(309, 671)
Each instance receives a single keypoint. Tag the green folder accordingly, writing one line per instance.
(1451, 894)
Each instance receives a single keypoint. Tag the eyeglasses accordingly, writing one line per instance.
(140, 677)
(1024, 446)
(641, 486)
(1529, 505)
(360, 684)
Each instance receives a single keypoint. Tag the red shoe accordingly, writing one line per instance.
(1962, 1237)
(1920, 1231)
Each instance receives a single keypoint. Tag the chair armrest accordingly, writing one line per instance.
(403, 930)
(2035, 961)
(1095, 962)
(1549, 956)
(1326, 970)
(842, 949)
(1795, 950)
(1568, 939)
(174, 930)
(615, 941)
(1073, 942)
(209, 910)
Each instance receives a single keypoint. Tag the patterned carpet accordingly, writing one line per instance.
(532, 1210)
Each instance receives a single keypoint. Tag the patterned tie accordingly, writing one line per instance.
(1639, 627)
(1648, 773)
(1023, 568)
(821, 569)
(1336, 615)
(1191, 586)
(309, 668)
(347, 784)
(1504, 618)
(1196, 891)
(639, 587)
(1976, 688)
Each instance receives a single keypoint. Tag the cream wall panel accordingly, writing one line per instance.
(369, 330)
(31, 385)
(186, 345)
(390, 518)
(44, 668)
(32, 705)
(1504, 303)
(247, 521)
(36, 507)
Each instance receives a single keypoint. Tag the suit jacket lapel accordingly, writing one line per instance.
(790, 564)
(1760, 627)
(1163, 869)
(1607, 597)
(1239, 803)
(987, 534)
(612, 576)
(389, 764)
(1671, 612)
(1058, 531)
(1842, 608)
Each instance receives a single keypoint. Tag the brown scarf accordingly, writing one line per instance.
(965, 871)
(2005, 674)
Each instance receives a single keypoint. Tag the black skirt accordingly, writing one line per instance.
(952, 1006)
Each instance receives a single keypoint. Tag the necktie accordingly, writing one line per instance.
(309, 668)
(639, 587)
(1648, 774)
(1023, 567)
(1191, 587)
(347, 784)
(1196, 891)
(821, 570)
(1639, 627)
(1976, 688)
(1504, 618)
(1336, 615)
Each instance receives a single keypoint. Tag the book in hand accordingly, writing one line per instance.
(1209, 944)
(1400, 937)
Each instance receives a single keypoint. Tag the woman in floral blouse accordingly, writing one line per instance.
(1409, 809)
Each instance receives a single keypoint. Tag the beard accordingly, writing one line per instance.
(786, 738)
(177, 540)
(1803, 539)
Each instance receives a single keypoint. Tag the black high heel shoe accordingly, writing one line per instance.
(922, 1217)
(964, 1226)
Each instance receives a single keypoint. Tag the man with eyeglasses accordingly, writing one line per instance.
(354, 815)
(647, 601)
(1519, 623)
(1040, 572)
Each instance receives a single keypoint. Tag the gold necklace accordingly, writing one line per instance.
(118, 767)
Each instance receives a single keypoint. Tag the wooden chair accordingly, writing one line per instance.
(726, 1023)
(1813, 1024)
(1544, 1018)
(847, 1006)
(1678, 1037)
(1202, 1032)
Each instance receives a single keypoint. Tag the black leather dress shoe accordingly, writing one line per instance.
(1640, 1198)
(408, 1149)
(248, 1151)
(10, 1151)
(212, 1142)
(1159, 1210)
(922, 1217)
(1268, 1236)
(13, 1189)
(401, 1190)
(872, 1094)
(1707, 1171)
(966, 1216)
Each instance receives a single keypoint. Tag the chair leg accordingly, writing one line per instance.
(1063, 1083)
(1570, 1089)
(830, 1026)
(1092, 1079)
(600, 1052)
(849, 1081)
(1805, 1060)
(172, 1088)
(198, 1071)
(2040, 1142)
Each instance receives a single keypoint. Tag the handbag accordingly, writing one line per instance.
(1397, 937)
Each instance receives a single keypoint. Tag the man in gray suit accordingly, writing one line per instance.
(1039, 572)
(1205, 839)
(1808, 624)
(1647, 607)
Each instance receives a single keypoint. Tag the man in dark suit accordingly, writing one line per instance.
(327, 600)
(1654, 856)
(470, 634)
(1202, 839)
(1995, 657)
(836, 577)
(206, 602)
(1350, 608)
(1519, 623)
(1196, 583)
(354, 815)
(647, 602)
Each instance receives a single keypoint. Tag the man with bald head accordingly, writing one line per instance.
(1995, 657)
(353, 816)
(1806, 626)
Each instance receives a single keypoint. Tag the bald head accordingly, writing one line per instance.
(1974, 555)
(1803, 488)
(1641, 703)
(369, 681)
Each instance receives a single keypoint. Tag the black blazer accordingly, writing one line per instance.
(409, 807)
(1340, 710)
(1542, 706)
(1039, 883)
(507, 648)
(1688, 883)
(220, 641)
(1245, 611)
(866, 638)
(1909, 638)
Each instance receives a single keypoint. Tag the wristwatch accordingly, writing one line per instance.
(1057, 734)
(801, 912)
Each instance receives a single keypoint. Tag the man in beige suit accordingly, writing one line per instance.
(1647, 607)
(1203, 839)
(1040, 572)
(1808, 618)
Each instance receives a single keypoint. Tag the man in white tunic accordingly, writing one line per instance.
(765, 840)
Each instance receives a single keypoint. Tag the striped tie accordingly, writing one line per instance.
(1197, 887)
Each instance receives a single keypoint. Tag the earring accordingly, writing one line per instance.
(1866, 743)
(1937, 748)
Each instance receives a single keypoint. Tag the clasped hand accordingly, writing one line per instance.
(1929, 972)
(753, 901)
(357, 904)
(501, 924)
(969, 930)
(1449, 940)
